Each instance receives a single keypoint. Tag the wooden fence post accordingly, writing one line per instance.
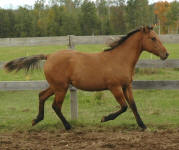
(73, 90)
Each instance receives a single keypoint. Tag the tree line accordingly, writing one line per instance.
(85, 17)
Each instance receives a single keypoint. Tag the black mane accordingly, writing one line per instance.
(121, 40)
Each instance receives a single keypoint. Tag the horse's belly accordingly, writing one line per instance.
(89, 85)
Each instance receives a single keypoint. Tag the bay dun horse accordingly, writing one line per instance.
(111, 69)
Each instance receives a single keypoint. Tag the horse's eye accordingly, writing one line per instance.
(153, 39)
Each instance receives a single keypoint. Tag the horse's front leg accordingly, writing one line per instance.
(118, 94)
(130, 99)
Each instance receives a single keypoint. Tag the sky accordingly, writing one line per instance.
(13, 4)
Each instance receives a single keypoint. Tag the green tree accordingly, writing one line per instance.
(23, 24)
(54, 20)
(7, 21)
(38, 21)
(88, 19)
(137, 13)
(103, 13)
(173, 17)
(61, 21)
(118, 17)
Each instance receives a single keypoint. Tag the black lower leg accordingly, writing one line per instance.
(60, 115)
(140, 122)
(40, 115)
(137, 116)
(112, 116)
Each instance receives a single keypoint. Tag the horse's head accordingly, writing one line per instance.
(152, 43)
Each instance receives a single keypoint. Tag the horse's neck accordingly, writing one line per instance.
(130, 50)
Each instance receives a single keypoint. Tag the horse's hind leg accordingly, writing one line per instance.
(43, 96)
(118, 94)
(130, 99)
(57, 105)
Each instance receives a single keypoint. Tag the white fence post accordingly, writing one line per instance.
(73, 90)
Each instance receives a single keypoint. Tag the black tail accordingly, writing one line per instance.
(26, 63)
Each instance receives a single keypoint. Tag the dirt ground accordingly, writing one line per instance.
(91, 139)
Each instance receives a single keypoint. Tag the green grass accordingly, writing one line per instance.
(9, 53)
(158, 109)
(157, 74)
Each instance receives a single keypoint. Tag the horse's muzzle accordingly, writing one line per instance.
(165, 57)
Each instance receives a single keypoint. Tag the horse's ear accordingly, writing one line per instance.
(142, 29)
(151, 27)
(147, 29)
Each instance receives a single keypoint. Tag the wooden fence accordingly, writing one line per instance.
(38, 85)
(64, 40)
(74, 40)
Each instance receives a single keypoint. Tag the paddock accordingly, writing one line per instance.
(158, 108)
(161, 117)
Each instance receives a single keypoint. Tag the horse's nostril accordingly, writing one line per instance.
(167, 54)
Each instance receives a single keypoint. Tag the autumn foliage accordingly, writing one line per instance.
(166, 15)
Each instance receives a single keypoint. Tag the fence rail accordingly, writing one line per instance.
(64, 40)
(34, 41)
(39, 85)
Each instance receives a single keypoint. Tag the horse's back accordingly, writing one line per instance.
(68, 57)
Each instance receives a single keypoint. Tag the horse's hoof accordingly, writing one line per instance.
(68, 127)
(34, 122)
(143, 128)
(103, 119)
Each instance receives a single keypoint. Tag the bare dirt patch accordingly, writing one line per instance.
(91, 139)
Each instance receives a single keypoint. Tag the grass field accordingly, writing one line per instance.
(158, 108)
